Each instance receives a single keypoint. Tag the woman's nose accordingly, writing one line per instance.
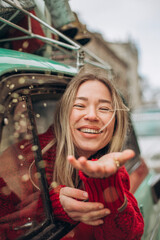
(91, 114)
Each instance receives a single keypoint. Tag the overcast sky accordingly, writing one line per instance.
(120, 20)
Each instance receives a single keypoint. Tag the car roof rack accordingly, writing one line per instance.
(73, 49)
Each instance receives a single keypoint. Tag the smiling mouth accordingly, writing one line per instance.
(89, 130)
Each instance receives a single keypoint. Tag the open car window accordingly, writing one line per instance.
(23, 185)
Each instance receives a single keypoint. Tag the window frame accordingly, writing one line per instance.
(37, 84)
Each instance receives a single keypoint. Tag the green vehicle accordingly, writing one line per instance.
(30, 87)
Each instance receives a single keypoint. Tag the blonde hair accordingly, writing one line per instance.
(63, 171)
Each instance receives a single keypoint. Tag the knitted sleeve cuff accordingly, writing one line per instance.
(108, 191)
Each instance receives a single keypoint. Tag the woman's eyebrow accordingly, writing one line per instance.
(100, 100)
(82, 98)
(105, 101)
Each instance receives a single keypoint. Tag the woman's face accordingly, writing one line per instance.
(89, 114)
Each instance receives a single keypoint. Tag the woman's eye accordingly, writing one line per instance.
(104, 109)
(78, 106)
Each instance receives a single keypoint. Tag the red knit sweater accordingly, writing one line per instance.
(124, 225)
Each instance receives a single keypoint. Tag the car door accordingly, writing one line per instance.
(26, 111)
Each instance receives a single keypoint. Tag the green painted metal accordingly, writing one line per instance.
(149, 210)
(13, 61)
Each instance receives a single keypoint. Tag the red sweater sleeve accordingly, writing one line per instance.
(127, 224)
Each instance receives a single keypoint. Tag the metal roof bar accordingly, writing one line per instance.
(33, 35)
(64, 47)
(53, 30)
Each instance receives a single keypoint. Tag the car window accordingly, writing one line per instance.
(25, 117)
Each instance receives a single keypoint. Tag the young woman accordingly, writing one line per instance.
(84, 162)
(89, 131)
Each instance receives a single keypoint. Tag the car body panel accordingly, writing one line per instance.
(13, 61)
(150, 211)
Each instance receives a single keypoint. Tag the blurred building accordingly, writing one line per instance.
(123, 58)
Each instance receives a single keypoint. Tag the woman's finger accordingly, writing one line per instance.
(74, 193)
(73, 205)
(73, 161)
(124, 156)
(94, 223)
(94, 217)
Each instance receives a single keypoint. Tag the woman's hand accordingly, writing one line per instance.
(104, 166)
(73, 202)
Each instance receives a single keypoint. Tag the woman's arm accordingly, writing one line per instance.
(105, 184)
(125, 220)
